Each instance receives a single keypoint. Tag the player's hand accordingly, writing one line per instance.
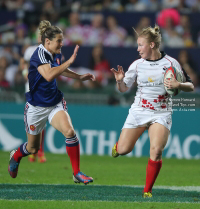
(87, 76)
(119, 74)
(172, 83)
(73, 57)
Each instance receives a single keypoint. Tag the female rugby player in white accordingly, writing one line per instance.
(152, 107)
(45, 101)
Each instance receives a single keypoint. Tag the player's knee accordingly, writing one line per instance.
(69, 133)
(33, 150)
(156, 152)
(123, 149)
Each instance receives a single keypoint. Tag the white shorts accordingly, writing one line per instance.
(140, 117)
(35, 117)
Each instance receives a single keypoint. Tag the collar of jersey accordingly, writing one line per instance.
(42, 47)
(162, 55)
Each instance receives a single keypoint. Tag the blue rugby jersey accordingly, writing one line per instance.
(41, 92)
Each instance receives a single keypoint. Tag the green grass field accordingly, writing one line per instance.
(117, 183)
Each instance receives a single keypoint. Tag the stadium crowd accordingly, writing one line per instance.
(95, 24)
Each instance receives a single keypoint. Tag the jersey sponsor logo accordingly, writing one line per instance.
(58, 61)
(153, 83)
(32, 127)
(150, 79)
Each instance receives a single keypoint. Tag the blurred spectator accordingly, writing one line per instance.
(152, 5)
(3, 82)
(12, 54)
(169, 3)
(98, 5)
(14, 4)
(8, 37)
(3, 62)
(21, 32)
(135, 6)
(116, 35)
(167, 19)
(184, 7)
(10, 73)
(144, 22)
(189, 66)
(100, 65)
(184, 30)
(5, 54)
(197, 6)
(29, 6)
(44, 16)
(10, 69)
(170, 36)
(49, 10)
(33, 33)
(166, 14)
(48, 7)
(95, 33)
(74, 34)
(26, 5)
(19, 81)
(3, 5)
(112, 5)
(191, 3)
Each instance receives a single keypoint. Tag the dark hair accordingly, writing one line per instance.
(48, 31)
(92, 60)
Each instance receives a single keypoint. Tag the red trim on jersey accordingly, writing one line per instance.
(137, 73)
(133, 62)
(141, 87)
(178, 63)
(168, 60)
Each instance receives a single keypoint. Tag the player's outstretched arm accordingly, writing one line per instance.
(71, 74)
(51, 73)
(74, 55)
(119, 76)
(84, 77)
(87, 76)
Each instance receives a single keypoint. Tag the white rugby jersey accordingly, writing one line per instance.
(151, 93)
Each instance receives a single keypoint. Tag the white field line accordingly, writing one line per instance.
(177, 188)
(193, 203)
(183, 188)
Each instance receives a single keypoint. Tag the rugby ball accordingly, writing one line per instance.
(178, 75)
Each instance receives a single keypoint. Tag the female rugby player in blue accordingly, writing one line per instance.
(45, 101)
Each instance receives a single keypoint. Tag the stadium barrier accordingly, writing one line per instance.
(98, 128)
